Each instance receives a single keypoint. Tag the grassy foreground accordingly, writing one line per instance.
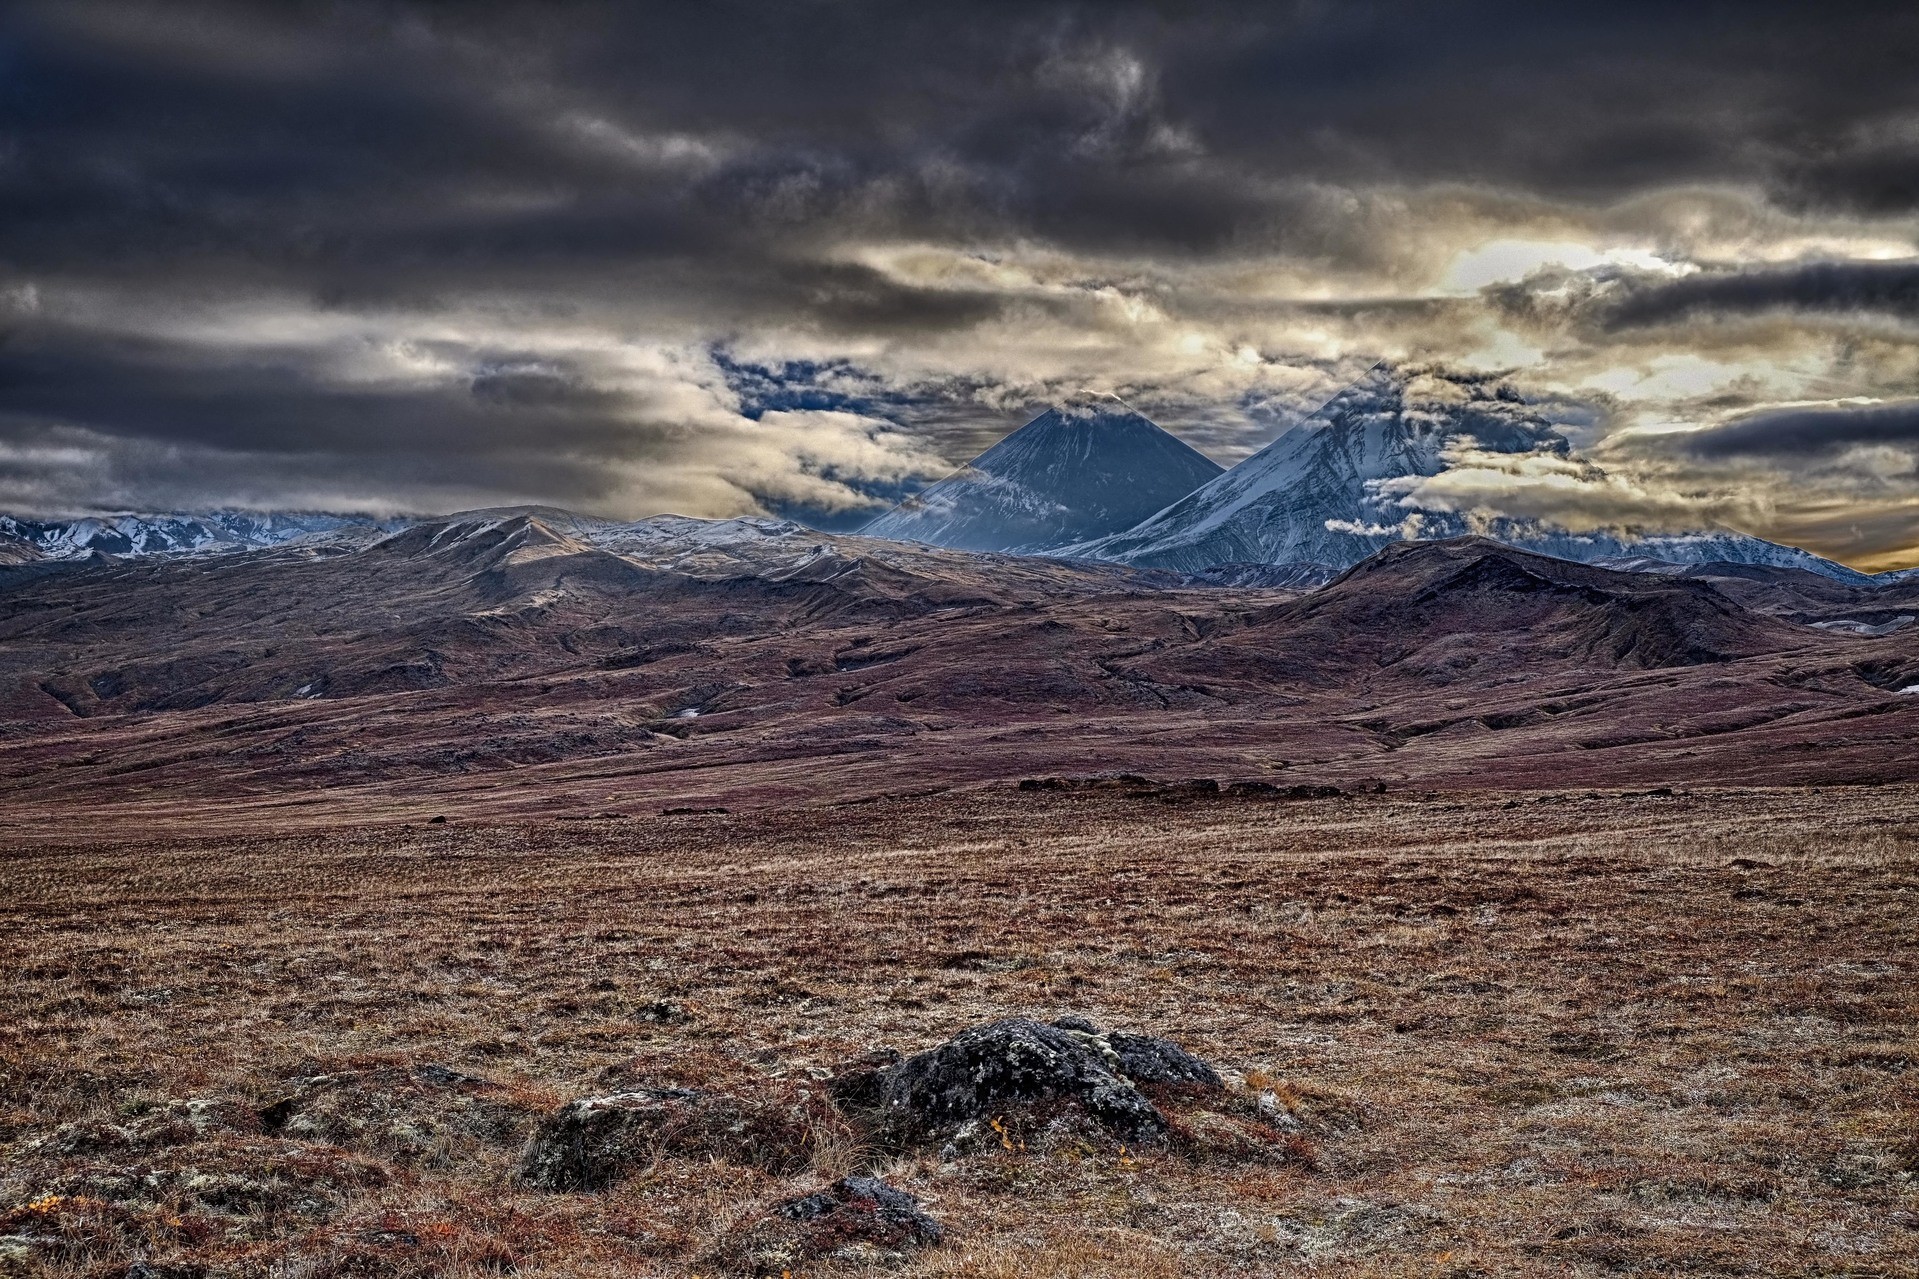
(1545, 1034)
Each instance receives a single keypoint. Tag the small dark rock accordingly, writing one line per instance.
(274, 1117)
(856, 1219)
(866, 1196)
(666, 1012)
(436, 821)
(430, 1072)
(1073, 1021)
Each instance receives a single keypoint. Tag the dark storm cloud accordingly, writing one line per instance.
(1862, 175)
(162, 419)
(1786, 434)
(1590, 100)
(1888, 287)
(449, 139)
(180, 394)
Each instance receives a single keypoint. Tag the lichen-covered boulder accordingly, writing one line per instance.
(1148, 1059)
(1007, 1064)
(856, 1219)
(589, 1142)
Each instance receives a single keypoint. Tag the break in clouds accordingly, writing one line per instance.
(800, 258)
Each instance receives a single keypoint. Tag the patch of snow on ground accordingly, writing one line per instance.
(1857, 627)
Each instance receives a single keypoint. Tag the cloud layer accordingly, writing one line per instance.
(799, 257)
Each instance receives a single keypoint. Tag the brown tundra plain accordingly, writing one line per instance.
(1556, 1032)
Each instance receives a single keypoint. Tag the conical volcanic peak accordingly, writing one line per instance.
(1322, 491)
(1306, 495)
(1080, 470)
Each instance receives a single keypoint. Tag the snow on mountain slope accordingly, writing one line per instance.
(1302, 497)
(17, 550)
(1075, 472)
(1721, 546)
(173, 534)
(1314, 494)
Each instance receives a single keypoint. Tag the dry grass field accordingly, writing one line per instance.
(1552, 1033)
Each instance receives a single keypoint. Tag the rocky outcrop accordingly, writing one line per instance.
(1020, 1064)
(991, 1085)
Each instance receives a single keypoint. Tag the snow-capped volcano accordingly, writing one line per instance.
(1315, 493)
(1077, 471)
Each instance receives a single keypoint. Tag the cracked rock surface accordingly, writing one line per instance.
(1017, 1062)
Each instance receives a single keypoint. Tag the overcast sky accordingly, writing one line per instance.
(800, 256)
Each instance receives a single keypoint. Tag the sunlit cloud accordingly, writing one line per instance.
(1506, 261)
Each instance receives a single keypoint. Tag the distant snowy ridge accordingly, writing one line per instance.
(174, 533)
(1322, 492)
(1077, 471)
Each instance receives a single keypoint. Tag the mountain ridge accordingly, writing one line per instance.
(1322, 491)
(753, 662)
(1078, 470)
